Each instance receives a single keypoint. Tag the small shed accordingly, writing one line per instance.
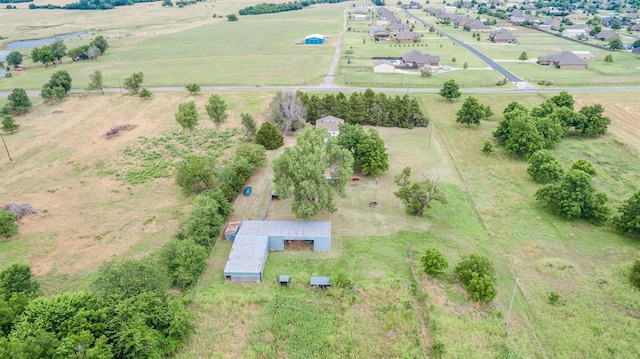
(320, 282)
(314, 39)
(360, 17)
(284, 280)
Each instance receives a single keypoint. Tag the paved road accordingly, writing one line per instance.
(511, 77)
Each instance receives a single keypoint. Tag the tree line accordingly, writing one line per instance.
(90, 4)
(270, 8)
(132, 309)
(367, 108)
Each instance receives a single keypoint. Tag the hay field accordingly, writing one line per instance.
(69, 172)
(175, 46)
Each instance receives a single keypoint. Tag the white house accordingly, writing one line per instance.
(331, 123)
(383, 66)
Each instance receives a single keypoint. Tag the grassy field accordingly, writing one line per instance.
(623, 70)
(174, 46)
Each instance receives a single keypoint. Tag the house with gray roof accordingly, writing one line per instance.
(407, 37)
(563, 60)
(331, 123)
(502, 36)
(477, 25)
(415, 58)
(606, 35)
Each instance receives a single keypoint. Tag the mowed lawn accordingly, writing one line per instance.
(254, 51)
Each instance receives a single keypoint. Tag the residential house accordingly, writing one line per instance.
(577, 16)
(502, 36)
(383, 66)
(636, 27)
(554, 24)
(407, 37)
(605, 35)
(398, 26)
(563, 60)
(477, 25)
(415, 58)
(379, 34)
(331, 123)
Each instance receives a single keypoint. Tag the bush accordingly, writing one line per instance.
(628, 221)
(208, 213)
(17, 278)
(543, 167)
(185, 260)
(255, 154)
(269, 136)
(433, 262)
(127, 279)
(477, 274)
(584, 166)
(193, 89)
(17, 103)
(145, 93)
(196, 174)
(554, 298)
(634, 276)
(487, 147)
(9, 125)
(8, 226)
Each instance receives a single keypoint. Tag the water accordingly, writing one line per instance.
(25, 44)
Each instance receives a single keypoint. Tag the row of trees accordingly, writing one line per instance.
(367, 108)
(475, 272)
(90, 4)
(270, 8)
(52, 54)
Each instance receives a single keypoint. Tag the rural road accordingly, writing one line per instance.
(35, 93)
(328, 80)
(504, 72)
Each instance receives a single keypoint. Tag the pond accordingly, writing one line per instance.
(25, 44)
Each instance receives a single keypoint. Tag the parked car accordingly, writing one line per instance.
(247, 190)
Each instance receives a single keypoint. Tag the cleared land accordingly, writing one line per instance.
(75, 178)
(175, 46)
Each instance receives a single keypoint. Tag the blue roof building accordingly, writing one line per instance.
(254, 239)
(314, 39)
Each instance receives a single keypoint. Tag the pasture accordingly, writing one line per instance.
(174, 46)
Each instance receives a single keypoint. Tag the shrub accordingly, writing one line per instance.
(255, 154)
(477, 274)
(269, 136)
(196, 174)
(554, 298)
(203, 224)
(433, 262)
(487, 147)
(17, 278)
(543, 167)
(145, 93)
(628, 221)
(193, 89)
(584, 166)
(9, 125)
(185, 260)
(8, 226)
(117, 281)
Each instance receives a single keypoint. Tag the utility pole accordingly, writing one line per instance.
(513, 295)
(6, 148)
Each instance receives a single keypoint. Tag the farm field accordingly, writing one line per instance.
(623, 70)
(174, 46)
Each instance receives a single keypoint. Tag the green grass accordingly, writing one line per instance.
(253, 51)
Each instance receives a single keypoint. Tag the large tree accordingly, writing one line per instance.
(287, 111)
(217, 111)
(100, 43)
(59, 50)
(187, 118)
(60, 79)
(524, 138)
(592, 121)
(417, 195)
(314, 171)
(628, 221)
(472, 112)
(17, 103)
(14, 58)
(196, 174)
(133, 83)
(450, 90)
(44, 55)
(372, 158)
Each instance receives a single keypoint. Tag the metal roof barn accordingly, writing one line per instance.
(254, 239)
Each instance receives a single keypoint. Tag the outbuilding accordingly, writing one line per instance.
(383, 66)
(314, 39)
(254, 240)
